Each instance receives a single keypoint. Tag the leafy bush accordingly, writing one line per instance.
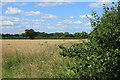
(100, 57)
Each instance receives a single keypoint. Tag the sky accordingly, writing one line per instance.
(48, 17)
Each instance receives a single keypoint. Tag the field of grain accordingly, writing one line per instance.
(35, 58)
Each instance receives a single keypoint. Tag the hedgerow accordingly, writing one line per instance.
(100, 57)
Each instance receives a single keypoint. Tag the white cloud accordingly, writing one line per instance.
(9, 0)
(64, 27)
(0, 23)
(9, 27)
(38, 20)
(14, 24)
(77, 22)
(58, 24)
(85, 16)
(88, 24)
(23, 22)
(100, 3)
(49, 16)
(32, 13)
(56, 28)
(27, 26)
(69, 22)
(72, 17)
(13, 11)
(20, 4)
(34, 23)
(9, 18)
(16, 3)
(7, 23)
(56, 0)
(16, 11)
(41, 15)
(49, 4)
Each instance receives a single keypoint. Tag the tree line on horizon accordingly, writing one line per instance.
(31, 34)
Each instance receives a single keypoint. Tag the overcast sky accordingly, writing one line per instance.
(49, 17)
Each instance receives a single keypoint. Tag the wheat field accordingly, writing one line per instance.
(35, 58)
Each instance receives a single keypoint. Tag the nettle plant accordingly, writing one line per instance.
(100, 57)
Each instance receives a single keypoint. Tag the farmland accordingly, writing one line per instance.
(96, 56)
(35, 58)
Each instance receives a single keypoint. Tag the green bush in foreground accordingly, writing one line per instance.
(100, 57)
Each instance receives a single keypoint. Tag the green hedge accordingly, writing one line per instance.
(98, 59)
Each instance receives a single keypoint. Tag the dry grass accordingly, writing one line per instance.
(35, 58)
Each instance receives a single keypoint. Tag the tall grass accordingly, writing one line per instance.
(34, 59)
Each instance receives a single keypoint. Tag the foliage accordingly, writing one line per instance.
(31, 34)
(100, 57)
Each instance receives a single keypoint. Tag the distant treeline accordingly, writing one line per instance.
(31, 34)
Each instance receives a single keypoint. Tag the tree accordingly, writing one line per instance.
(107, 29)
(0, 36)
(77, 34)
(7, 35)
(3, 35)
(98, 59)
(84, 35)
(30, 33)
(56, 34)
(23, 35)
(66, 34)
(16, 35)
